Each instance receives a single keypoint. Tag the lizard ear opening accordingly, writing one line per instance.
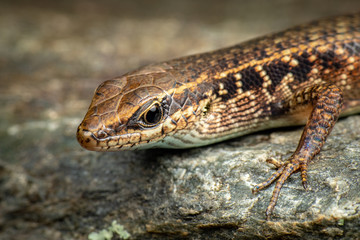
(206, 109)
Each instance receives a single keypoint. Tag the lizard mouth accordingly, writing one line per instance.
(102, 141)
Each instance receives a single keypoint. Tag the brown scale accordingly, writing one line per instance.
(310, 70)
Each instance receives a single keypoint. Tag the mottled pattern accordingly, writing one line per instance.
(308, 74)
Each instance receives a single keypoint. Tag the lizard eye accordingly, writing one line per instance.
(152, 115)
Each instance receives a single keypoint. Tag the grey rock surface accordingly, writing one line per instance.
(52, 57)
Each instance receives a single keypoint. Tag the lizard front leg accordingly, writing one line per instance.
(327, 102)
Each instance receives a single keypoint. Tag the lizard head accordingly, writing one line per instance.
(131, 112)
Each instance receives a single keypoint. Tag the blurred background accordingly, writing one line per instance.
(53, 54)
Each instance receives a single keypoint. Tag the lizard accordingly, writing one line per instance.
(306, 75)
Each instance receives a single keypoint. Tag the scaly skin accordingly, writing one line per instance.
(308, 74)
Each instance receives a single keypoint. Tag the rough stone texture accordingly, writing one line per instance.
(54, 54)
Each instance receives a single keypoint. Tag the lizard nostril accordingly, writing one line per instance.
(101, 134)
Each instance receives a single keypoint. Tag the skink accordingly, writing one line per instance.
(309, 74)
